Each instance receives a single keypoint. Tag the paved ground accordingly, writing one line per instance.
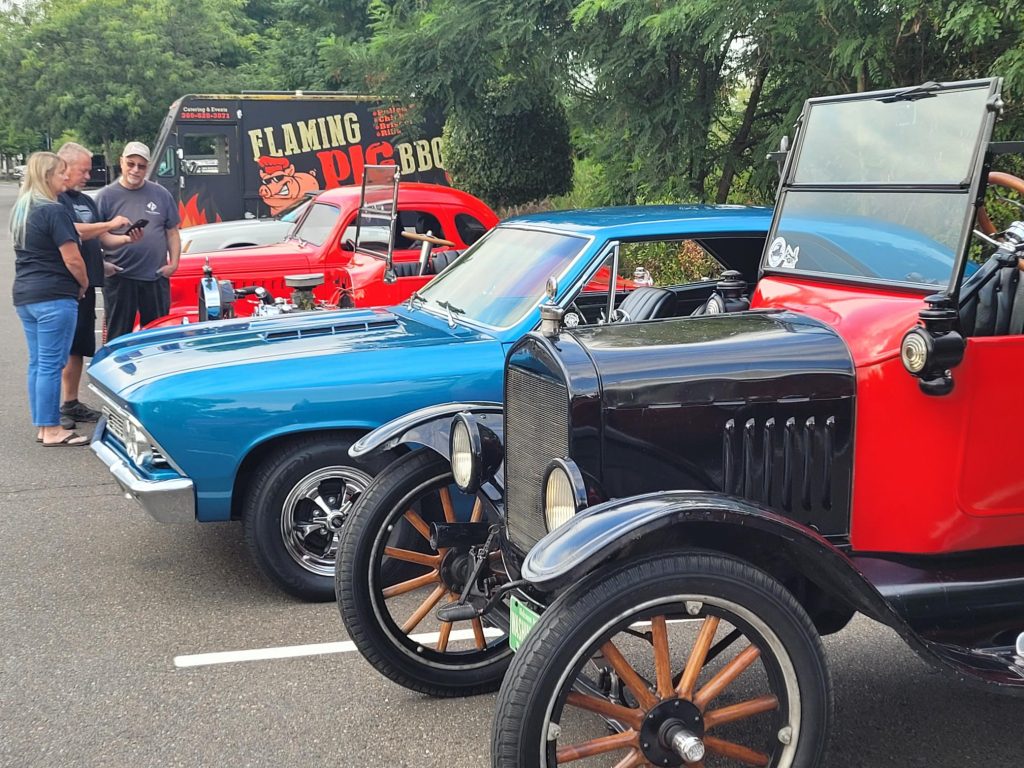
(97, 601)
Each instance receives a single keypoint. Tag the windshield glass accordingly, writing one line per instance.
(294, 213)
(318, 224)
(880, 188)
(502, 277)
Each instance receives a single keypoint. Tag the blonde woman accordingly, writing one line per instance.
(49, 279)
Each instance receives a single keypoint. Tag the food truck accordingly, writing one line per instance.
(252, 155)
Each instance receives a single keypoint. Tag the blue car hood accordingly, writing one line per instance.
(140, 359)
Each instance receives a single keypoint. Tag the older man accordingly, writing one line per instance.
(94, 232)
(140, 286)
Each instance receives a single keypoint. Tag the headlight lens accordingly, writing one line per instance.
(462, 454)
(914, 352)
(136, 443)
(715, 305)
(559, 501)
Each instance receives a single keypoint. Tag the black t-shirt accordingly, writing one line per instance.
(84, 211)
(39, 271)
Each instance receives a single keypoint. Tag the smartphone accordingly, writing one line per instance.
(140, 224)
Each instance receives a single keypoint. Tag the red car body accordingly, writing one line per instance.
(356, 279)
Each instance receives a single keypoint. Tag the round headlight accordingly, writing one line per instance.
(715, 305)
(914, 351)
(462, 455)
(564, 493)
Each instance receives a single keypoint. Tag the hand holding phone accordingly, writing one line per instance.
(138, 225)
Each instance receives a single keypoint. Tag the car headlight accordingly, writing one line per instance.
(715, 305)
(475, 451)
(136, 443)
(564, 493)
(915, 350)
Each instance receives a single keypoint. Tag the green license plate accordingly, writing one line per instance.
(521, 621)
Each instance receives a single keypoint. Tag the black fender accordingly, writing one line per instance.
(679, 519)
(429, 427)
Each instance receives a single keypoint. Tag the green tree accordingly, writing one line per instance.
(109, 69)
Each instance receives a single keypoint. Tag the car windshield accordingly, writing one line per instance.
(293, 214)
(502, 277)
(318, 224)
(879, 188)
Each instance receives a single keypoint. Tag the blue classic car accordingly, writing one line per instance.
(252, 419)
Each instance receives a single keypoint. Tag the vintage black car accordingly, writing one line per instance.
(665, 517)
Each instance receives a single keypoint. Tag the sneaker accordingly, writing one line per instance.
(66, 422)
(79, 412)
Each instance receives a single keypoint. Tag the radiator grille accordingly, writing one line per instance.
(117, 426)
(536, 431)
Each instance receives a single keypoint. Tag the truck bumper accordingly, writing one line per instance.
(167, 501)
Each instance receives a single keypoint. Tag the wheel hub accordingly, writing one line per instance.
(672, 733)
(456, 568)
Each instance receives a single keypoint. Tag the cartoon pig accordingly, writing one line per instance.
(281, 184)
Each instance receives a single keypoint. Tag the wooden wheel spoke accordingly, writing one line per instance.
(446, 504)
(420, 613)
(633, 681)
(737, 752)
(627, 740)
(478, 633)
(662, 662)
(725, 676)
(446, 629)
(478, 512)
(408, 556)
(412, 584)
(633, 760)
(740, 711)
(605, 708)
(697, 656)
(418, 523)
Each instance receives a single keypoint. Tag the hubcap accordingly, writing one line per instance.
(315, 511)
(671, 733)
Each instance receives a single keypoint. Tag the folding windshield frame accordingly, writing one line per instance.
(977, 170)
(382, 180)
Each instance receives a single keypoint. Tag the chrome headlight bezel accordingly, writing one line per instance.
(564, 493)
(475, 452)
(137, 443)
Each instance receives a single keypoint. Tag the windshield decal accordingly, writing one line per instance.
(781, 255)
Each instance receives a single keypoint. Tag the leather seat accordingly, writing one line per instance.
(647, 303)
(997, 309)
(406, 268)
(441, 259)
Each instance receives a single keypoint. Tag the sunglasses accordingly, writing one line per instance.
(275, 178)
(133, 164)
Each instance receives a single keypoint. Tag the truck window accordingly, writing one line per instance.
(470, 228)
(166, 166)
(205, 154)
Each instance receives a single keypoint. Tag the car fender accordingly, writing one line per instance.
(428, 426)
(603, 532)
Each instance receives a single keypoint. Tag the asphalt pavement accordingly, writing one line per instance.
(97, 601)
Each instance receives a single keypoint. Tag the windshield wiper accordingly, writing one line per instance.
(923, 91)
(451, 309)
(413, 299)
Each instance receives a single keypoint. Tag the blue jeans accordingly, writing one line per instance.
(49, 327)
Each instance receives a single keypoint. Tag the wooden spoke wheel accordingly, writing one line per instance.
(392, 620)
(676, 660)
(1006, 181)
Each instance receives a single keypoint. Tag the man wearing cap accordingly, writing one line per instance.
(141, 284)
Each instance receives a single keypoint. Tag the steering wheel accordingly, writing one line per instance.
(438, 241)
(998, 179)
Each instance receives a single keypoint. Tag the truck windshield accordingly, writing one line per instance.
(879, 189)
(318, 224)
(503, 277)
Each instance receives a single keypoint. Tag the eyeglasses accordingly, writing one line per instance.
(275, 178)
(133, 164)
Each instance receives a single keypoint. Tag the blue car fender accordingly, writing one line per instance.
(429, 427)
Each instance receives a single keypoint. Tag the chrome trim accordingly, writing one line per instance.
(158, 452)
(167, 501)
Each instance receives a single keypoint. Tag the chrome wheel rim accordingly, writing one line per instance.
(315, 511)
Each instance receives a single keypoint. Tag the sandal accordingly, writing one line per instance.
(71, 440)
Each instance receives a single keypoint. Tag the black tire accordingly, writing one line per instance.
(373, 623)
(559, 652)
(302, 567)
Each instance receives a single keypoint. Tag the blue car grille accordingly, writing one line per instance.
(536, 432)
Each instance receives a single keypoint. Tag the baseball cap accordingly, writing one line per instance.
(136, 148)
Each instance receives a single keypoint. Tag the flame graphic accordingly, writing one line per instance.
(191, 215)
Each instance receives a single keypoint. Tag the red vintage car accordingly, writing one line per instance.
(323, 243)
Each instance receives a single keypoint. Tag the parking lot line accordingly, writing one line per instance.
(314, 649)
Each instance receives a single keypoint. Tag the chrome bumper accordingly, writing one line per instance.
(167, 501)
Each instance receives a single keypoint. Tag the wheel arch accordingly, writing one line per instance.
(429, 427)
(814, 569)
(259, 453)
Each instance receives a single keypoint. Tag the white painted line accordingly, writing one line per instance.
(315, 649)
